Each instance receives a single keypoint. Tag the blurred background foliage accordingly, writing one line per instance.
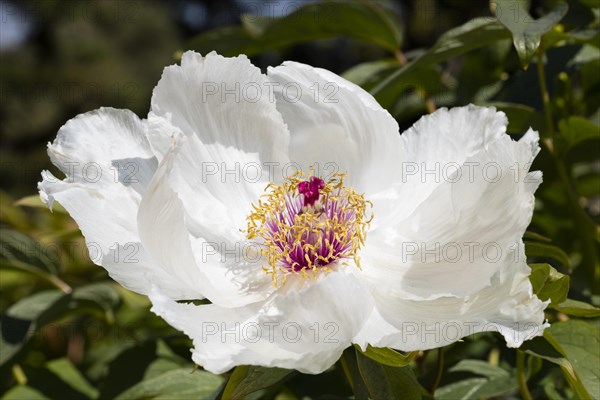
(69, 332)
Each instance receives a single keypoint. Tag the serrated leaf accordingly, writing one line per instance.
(181, 384)
(526, 31)
(360, 20)
(247, 379)
(385, 382)
(387, 356)
(548, 283)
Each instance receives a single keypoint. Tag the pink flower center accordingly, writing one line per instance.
(307, 225)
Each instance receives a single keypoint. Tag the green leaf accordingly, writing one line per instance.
(479, 367)
(462, 390)
(387, 356)
(36, 202)
(181, 383)
(22, 319)
(548, 283)
(66, 371)
(102, 296)
(527, 32)
(385, 382)
(520, 119)
(247, 379)
(497, 381)
(576, 130)
(580, 342)
(547, 251)
(350, 366)
(22, 392)
(469, 36)
(368, 74)
(549, 349)
(578, 309)
(359, 20)
(535, 237)
(23, 252)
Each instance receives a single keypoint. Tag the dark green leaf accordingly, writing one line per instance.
(363, 21)
(350, 365)
(577, 130)
(520, 119)
(546, 251)
(247, 379)
(471, 35)
(384, 382)
(23, 252)
(66, 371)
(23, 318)
(102, 296)
(527, 32)
(532, 236)
(180, 383)
(368, 74)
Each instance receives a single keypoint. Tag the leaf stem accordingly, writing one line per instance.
(439, 369)
(522, 376)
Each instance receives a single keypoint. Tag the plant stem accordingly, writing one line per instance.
(586, 229)
(544, 92)
(522, 376)
(439, 368)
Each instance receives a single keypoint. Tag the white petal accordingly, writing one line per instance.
(449, 261)
(462, 228)
(336, 126)
(507, 306)
(222, 100)
(108, 163)
(432, 149)
(305, 330)
(198, 264)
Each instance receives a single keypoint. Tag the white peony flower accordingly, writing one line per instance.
(410, 241)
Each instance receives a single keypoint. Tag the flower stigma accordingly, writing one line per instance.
(308, 224)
